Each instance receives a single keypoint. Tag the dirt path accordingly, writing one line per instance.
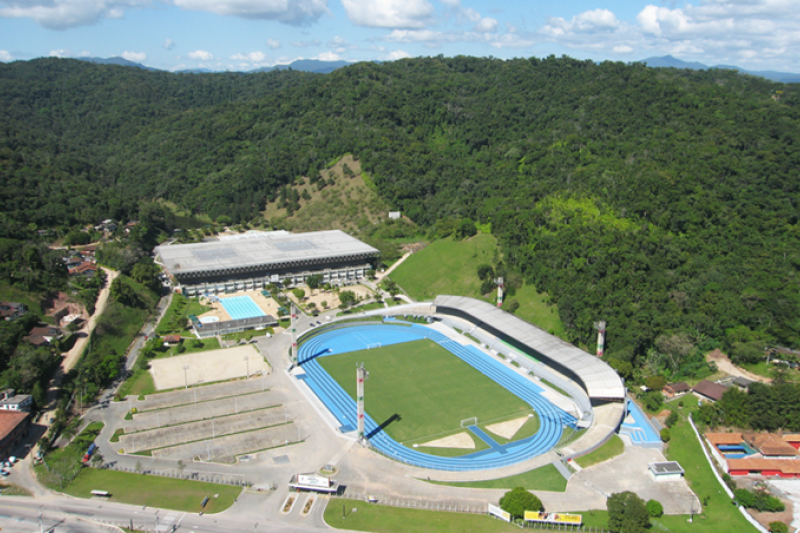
(380, 275)
(724, 364)
(102, 300)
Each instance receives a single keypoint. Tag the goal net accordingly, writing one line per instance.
(374, 345)
(467, 422)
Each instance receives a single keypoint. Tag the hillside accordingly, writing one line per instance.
(663, 201)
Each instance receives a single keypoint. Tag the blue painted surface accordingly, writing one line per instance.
(640, 430)
(487, 439)
(241, 307)
(343, 407)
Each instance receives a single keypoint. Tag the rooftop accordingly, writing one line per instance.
(769, 444)
(710, 390)
(667, 467)
(597, 377)
(678, 386)
(9, 420)
(724, 438)
(787, 466)
(262, 251)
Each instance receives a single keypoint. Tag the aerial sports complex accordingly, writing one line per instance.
(450, 378)
(250, 261)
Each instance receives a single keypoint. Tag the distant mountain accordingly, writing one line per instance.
(115, 61)
(307, 65)
(672, 62)
(194, 71)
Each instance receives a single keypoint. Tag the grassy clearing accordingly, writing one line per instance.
(177, 315)
(610, 449)
(348, 204)
(190, 346)
(767, 370)
(534, 308)
(154, 491)
(140, 383)
(60, 466)
(31, 299)
(546, 478)
(406, 380)
(382, 519)
(446, 266)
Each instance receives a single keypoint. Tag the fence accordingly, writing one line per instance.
(209, 477)
(412, 503)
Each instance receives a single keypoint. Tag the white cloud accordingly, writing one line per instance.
(61, 52)
(452, 3)
(389, 13)
(273, 43)
(436, 38)
(397, 54)
(306, 44)
(169, 44)
(63, 14)
(255, 57)
(598, 20)
(294, 12)
(201, 55)
(486, 25)
(623, 49)
(5, 56)
(136, 57)
(328, 56)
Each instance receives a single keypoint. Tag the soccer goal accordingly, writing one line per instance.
(467, 422)
(373, 345)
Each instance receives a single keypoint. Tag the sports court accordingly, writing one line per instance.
(206, 367)
(241, 307)
(343, 407)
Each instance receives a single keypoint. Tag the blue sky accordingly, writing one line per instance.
(247, 34)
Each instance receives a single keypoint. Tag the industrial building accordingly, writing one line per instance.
(252, 260)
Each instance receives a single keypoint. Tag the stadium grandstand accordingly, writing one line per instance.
(252, 260)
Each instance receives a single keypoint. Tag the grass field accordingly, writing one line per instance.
(139, 383)
(154, 491)
(31, 299)
(534, 308)
(427, 387)
(546, 478)
(383, 519)
(446, 266)
(610, 449)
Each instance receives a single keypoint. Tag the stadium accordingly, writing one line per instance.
(250, 261)
(460, 385)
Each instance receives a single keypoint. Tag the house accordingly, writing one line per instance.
(793, 440)
(709, 391)
(394, 215)
(13, 426)
(770, 446)
(665, 471)
(172, 340)
(764, 467)
(85, 269)
(679, 388)
(43, 335)
(11, 310)
(89, 251)
(18, 402)
(130, 225)
(742, 382)
(73, 260)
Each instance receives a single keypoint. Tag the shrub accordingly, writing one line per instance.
(778, 527)
(672, 419)
(654, 508)
(627, 513)
(665, 436)
(519, 500)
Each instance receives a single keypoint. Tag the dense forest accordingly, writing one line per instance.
(663, 201)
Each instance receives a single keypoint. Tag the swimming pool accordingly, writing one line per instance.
(241, 307)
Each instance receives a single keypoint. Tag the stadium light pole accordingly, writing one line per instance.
(185, 375)
(247, 362)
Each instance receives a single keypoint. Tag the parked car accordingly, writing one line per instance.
(4, 472)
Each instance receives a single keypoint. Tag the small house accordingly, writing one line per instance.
(172, 340)
(679, 388)
(709, 390)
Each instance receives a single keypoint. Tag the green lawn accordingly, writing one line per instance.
(610, 449)
(247, 335)
(177, 314)
(430, 389)
(546, 478)
(138, 384)
(446, 267)
(31, 299)
(534, 309)
(384, 519)
(191, 345)
(154, 491)
(768, 371)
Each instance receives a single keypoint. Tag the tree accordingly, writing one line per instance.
(181, 467)
(672, 419)
(324, 304)
(655, 382)
(627, 513)
(299, 293)
(138, 467)
(519, 500)
(485, 272)
(347, 298)
(466, 228)
(664, 434)
(97, 459)
(314, 281)
(654, 508)
(778, 527)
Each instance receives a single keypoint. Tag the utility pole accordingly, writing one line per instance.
(361, 375)
(601, 336)
(186, 376)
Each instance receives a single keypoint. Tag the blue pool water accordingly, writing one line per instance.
(241, 307)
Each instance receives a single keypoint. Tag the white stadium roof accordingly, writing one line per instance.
(269, 250)
(597, 377)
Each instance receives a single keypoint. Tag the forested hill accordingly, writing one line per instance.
(663, 201)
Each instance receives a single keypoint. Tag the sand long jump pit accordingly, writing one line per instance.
(205, 367)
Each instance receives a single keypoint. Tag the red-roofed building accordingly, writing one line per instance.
(13, 427)
(86, 269)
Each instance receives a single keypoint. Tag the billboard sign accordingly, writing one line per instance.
(554, 518)
(499, 513)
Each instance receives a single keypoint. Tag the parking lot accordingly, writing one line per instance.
(225, 449)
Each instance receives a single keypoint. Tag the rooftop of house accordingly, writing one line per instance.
(723, 438)
(710, 390)
(9, 420)
(770, 444)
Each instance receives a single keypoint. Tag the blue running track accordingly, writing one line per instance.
(640, 430)
(241, 307)
(343, 407)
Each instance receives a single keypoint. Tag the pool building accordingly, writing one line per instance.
(252, 260)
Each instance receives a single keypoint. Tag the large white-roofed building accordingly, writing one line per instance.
(595, 376)
(252, 260)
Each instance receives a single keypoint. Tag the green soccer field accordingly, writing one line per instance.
(423, 391)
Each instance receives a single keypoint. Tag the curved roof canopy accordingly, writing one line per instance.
(595, 375)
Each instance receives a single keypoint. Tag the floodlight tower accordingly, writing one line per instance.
(361, 375)
(601, 336)
(499, 282)
(294, 334)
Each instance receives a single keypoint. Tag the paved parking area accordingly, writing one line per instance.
(205, 367)
(202, 394)
(205, 429)
(225, 449)
(200, 411)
